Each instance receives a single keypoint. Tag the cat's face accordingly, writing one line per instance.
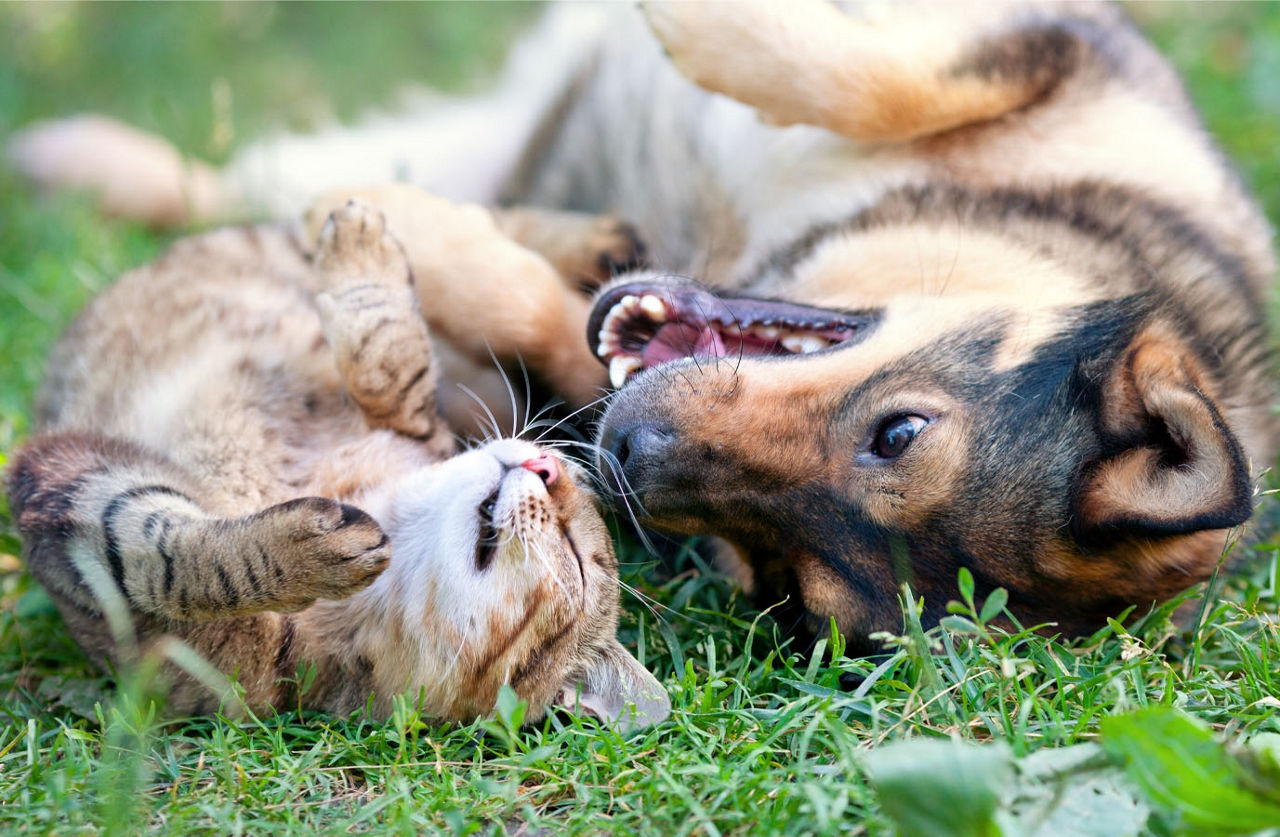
(504, 572)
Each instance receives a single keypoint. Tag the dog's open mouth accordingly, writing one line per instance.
(642, 324)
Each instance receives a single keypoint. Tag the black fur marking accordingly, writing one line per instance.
(413, 381)
(149, 524)
(539, 657)
(162, 547)
(272, 565)
(109, 513)
(254, 584)
(369, 335)
(229, 595)
(284, 665)
(1107, 213)
(352, 515)
(363, 297)
(1039, 57)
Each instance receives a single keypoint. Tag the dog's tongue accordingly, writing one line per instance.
(677, 340)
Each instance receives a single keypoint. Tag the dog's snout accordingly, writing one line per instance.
(634, 454)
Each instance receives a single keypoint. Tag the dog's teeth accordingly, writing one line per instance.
(794, 343)
(629, 303)
(621, 367)
(612, 319)
(812, 343)
(766, 331)
(654, 308)
(607, 343)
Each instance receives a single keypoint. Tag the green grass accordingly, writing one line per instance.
(761, 739)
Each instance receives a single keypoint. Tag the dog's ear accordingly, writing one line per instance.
(1175, 467)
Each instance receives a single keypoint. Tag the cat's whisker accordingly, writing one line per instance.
(492, 425)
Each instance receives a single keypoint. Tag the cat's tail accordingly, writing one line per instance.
(134, 174)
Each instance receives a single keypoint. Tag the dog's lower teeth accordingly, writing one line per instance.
(793, 343)
(621, 367)
(810, 343)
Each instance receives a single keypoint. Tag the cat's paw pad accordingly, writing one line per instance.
(337, 548)
(356, 247)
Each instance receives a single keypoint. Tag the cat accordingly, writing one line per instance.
(239, 446)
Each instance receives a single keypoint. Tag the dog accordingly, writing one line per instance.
(930, 288)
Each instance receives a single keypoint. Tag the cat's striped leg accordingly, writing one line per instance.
(378, 336)
(483, 292)
(98, 515)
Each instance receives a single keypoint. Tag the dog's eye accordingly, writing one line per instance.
(896, 434)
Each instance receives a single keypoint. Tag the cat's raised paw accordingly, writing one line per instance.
(355, 247)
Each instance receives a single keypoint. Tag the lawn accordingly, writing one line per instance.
(762, 739)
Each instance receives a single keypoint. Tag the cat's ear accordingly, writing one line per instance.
(615, 688)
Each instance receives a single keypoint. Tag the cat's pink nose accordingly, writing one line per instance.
(545, 466)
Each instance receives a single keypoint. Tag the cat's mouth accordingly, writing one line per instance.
(639, 325)
(487, 540)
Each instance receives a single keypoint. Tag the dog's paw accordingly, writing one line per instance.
(768, 55)
(328, 549)
(614, 247)
(355, 248)
(705, 40)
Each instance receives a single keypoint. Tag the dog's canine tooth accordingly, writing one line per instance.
(654, 308)
(621, 367)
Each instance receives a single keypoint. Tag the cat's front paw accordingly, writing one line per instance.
(355, 248)
(326, 549)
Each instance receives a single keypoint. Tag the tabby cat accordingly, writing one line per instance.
(239, 446)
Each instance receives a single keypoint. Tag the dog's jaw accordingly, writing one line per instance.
(644, 322)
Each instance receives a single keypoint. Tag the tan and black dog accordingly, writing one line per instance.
(936, 287)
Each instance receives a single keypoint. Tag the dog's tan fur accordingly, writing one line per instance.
(1032, 245)
(215, 427)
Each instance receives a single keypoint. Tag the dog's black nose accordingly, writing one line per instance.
(634, 454)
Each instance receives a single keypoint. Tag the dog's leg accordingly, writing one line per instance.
(482, 291)
(907, 73)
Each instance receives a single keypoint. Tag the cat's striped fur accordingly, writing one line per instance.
(239, 446)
